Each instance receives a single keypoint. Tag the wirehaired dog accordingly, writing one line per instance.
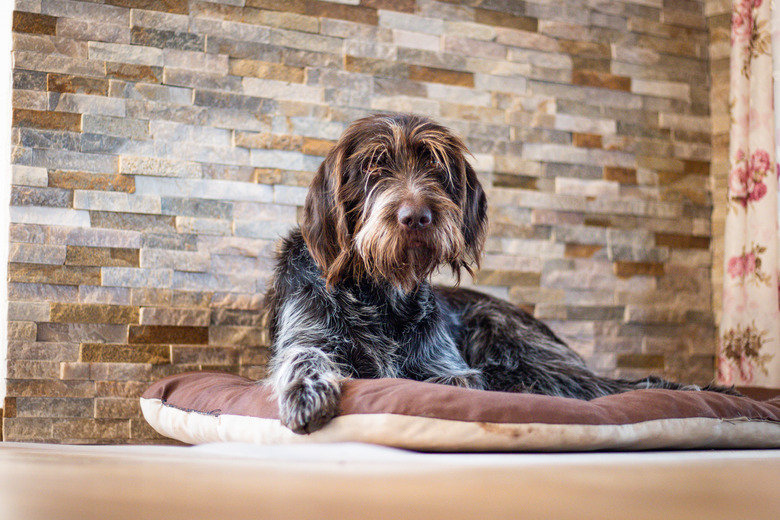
(394, 200)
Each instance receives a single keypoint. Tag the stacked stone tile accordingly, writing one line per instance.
(719, 23)
(161, 147)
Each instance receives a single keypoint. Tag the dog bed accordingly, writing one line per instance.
(203, 407)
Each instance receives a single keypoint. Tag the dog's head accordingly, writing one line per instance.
(393, 200)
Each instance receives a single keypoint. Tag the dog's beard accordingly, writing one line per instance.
(406, 259)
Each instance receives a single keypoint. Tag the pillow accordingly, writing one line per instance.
(202, 407)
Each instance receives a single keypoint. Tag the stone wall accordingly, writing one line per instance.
(719, 23)
(160, 148)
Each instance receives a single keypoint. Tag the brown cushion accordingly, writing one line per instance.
(207, 407)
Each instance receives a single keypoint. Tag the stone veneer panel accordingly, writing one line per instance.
(719, 25)
(160, 148)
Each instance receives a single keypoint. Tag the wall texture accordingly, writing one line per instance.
(161, 146)
(719, 23)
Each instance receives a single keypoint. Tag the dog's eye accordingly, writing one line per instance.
(435, 163)
(373, 169)
(375, 165)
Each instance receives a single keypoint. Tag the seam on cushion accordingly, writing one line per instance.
(213, 413)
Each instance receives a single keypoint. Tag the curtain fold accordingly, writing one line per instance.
(749, 343)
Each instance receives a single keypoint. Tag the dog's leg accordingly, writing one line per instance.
(306, 382)
(304, 374)
(517, 353)
(437, 360)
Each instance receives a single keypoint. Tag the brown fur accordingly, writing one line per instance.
(351, 234)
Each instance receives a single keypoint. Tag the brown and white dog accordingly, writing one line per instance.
(393, 201)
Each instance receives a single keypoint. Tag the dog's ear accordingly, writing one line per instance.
(324, 226)
(475, 220)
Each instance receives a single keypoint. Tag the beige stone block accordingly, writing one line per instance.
(202, 226)
(22, 330)
(75, 371)
(464, 46)
(124, 53)
(125, 372)
(91, 429)
(654, 314)
(28, 429)
(474, 31)
(51, 388)
(28, 311)
(142, 433)
(588, 188)
(28, 176)
(210, 356)
(42, 350)
(32, 369)
(176, 317)
(143, 296)
(117, 408)
(238, 336)
(159, 167)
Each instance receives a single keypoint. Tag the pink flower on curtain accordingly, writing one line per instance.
(760, 165)
(736, 267)
(740, 177)
(746, 180)
(742, 21)
(748, 264)
(750, 33)
(758, 191)
(741, 266)
(760, 161)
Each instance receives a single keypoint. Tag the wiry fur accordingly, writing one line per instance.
(350, 297)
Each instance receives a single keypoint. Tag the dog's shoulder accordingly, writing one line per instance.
(294, 272)
(293, 258)
(292, 246)
(295, 268)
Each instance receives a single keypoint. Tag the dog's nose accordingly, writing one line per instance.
(412, 216)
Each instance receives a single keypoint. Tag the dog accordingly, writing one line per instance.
(393, 201)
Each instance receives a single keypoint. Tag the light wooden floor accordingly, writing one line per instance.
(362, 482)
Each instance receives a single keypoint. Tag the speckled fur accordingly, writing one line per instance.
(350, 296)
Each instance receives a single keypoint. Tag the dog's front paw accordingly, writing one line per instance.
(307, 405)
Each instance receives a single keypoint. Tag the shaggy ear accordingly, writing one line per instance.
(324, 226)
(475, 221)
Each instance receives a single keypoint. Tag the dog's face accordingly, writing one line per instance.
(393, 200)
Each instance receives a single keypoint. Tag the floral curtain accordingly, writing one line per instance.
(749, 346)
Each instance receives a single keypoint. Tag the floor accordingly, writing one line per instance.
(233, 481)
